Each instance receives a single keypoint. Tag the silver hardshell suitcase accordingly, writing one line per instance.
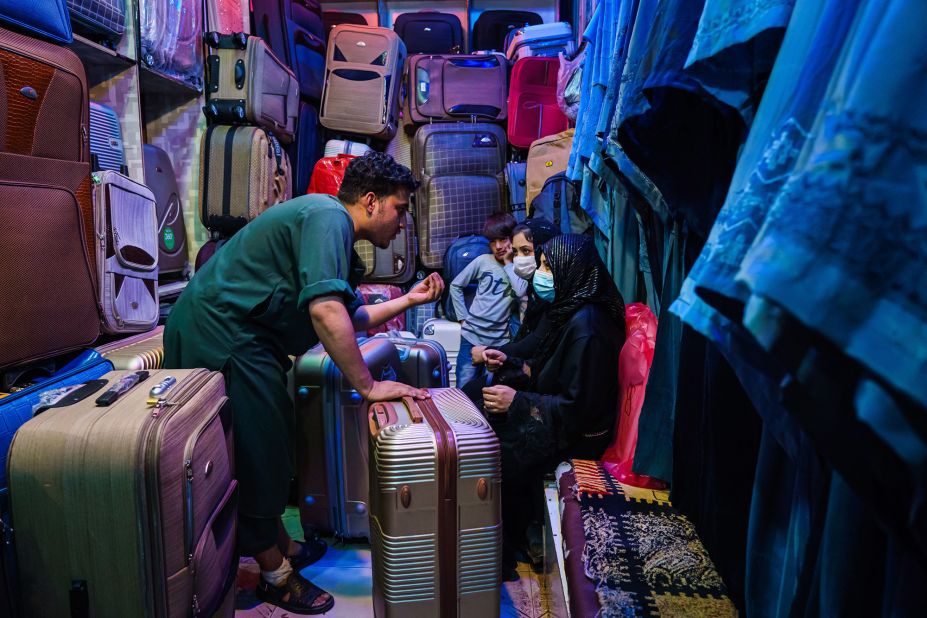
(423, 362)
(435, 516)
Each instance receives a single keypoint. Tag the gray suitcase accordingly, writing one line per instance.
(106, 149)
(435, 517)
(127, 509)
(331, 445)
(363, 78)
(424, 363)
(461, 167)
(127, 253)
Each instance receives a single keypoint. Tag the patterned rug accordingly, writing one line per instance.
(645, 558)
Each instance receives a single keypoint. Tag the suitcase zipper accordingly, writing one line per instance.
(166, 406)
(188, 485)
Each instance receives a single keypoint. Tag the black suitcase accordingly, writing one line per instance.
(430, 32)
(307, 149)
(492, 27)
(99, 19)
(330, 19)
(294, 31)
(172, 229)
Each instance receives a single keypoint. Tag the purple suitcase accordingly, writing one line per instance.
(457, 87)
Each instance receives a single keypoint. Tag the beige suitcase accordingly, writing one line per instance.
(435, 516)
(546, 157)
(244, 172)
(247, 83)
(363, 78)
(127, 509)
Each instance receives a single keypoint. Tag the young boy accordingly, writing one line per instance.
(486, 322)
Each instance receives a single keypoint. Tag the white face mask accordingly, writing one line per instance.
(525, 266)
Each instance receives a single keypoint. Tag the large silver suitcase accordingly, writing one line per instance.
(435, 518)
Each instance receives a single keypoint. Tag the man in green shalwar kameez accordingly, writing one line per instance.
(279, 286)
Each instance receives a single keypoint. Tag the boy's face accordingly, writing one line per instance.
(500, 249)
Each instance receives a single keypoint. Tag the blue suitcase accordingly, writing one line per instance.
(306, 149)
(16, 408)
(294, 31)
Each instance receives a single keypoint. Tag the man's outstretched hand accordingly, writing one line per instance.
(388, 391)
(428, 290)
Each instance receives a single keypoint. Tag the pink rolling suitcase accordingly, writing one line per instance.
(375, 293)
(533, 109)
(127, 509)
(435, 517)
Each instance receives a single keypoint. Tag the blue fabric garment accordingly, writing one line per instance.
(734, 48)
(600, 38)
(844, 247)
(808, 54)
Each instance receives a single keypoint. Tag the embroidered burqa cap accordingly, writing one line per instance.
(580, 278)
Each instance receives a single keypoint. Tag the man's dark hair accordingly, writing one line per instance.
(376, 172)
(499, 226)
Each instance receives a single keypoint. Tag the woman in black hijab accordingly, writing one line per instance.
(569, 405)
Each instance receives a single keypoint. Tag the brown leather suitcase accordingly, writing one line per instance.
(458, 87)
(435, 508)
(44, 188)
(127, 509)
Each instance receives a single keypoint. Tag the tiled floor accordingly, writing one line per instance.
(345, 572)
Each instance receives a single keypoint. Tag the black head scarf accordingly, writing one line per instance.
(580, 278)
(542, 230)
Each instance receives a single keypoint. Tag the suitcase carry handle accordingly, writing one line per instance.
(310, 40)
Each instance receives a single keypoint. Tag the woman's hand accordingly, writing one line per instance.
(428, 290)
(493, 359)
(498, 399)
(476, 354)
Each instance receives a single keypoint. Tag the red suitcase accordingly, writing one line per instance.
(533, 109)
(328, 174)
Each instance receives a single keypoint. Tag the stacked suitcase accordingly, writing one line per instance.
(252, 104)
